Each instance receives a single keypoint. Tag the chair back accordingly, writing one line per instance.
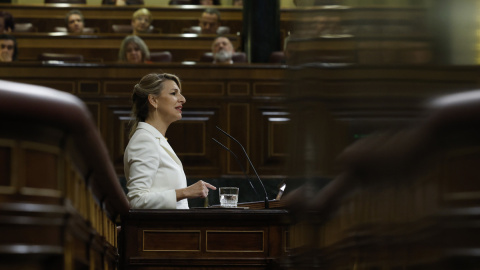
(152, 29)
(65, 1)
(277, 57)
(164, 57)
(238, 57)
(206, 58)
(86, 30)
(128, 2)
(25, 27)
(122, 28)
(60, 57)
(222, 30)
(180, 2)
(127, 28)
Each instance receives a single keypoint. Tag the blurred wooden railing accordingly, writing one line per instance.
(405, 196)
(59, 194)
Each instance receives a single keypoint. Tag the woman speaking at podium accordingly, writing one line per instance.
(155, 176)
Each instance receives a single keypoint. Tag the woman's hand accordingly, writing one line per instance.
(198, 190)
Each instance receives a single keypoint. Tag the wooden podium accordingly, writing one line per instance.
(204, 238)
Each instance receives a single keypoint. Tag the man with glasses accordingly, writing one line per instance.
(8, 48)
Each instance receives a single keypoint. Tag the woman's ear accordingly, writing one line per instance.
(152, 100)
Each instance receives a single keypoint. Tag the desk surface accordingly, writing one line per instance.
(209, 214)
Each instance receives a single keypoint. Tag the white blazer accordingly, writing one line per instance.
(153, 171)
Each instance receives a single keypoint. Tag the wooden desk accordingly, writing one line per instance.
(105, 47)
(204, 239)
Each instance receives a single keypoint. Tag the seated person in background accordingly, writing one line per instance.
(206, 2)
(122, 2)
(6, 22)
(222, 50)
(74, 20)
(209, 21)
(327, 25)
(8, 48)
(141, 21)
(133, 50)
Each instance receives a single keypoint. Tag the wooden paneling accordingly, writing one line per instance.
(204, 238)
(118, 119)
(238, 113)
(216, 96)
(248, 101)
(271, 128)
(171, 240)
(45, 180)
(41, 165)
(203, 88)
(235, 241)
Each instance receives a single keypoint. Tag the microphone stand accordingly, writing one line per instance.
(239, 164)
(251, 164)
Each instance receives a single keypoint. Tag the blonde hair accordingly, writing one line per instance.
(150, 84)
(142, 11)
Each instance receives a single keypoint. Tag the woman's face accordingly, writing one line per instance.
(170, 102)
(141, 23)
(133, 53)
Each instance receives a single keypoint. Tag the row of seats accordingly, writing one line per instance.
(157, 57)
(104, 2)
(108, 2)
(161, 57)
(116, 28)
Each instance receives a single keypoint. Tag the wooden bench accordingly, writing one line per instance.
(169, 19)
(173, 19)
(105, 47)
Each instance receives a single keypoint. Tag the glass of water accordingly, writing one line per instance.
(228, 197)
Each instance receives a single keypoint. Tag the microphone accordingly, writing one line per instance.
(239, 164)
(251, 164)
